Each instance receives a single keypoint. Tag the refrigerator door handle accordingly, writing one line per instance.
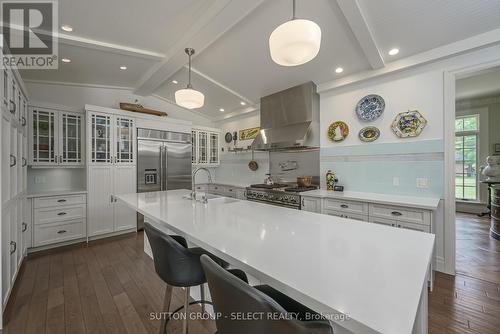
(165, 166)
(162, 168)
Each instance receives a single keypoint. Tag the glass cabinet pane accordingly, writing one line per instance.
(100, 138)
(124, 140)
(193, 146)
(214, 148)
(202, 147)
(43, 136)
(71, 138)
(5, 87)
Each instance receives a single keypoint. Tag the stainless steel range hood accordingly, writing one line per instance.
(289, 119)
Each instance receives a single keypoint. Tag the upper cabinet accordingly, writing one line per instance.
(206, 146)
(56, 137)
(111, 139)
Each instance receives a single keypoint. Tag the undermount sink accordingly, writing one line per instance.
(211, 197)
(222, 199)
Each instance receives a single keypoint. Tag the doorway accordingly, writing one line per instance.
(476, 137)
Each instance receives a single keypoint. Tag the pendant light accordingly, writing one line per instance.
(295, 42)
(188, 97)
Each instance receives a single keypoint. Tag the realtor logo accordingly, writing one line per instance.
(30, 33)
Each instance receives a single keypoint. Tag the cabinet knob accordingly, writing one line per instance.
(12, 107)
(396, 213)
(61, 201)
(23, 121)
(24, 162)
(25, 227)
(13, 247)
(13, 160)
(61, 231)
(61, 213)
(344, 206)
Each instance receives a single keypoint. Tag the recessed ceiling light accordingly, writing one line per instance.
(175, 82)
(221, 109)
(393, 52)
(339, 70)
(242, 103)
(123, 67)
(66, 60)
(67, 28)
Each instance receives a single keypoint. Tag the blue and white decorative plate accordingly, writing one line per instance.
(370, 107)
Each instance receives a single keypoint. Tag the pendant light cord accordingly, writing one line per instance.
(293, 6)
(189, 73)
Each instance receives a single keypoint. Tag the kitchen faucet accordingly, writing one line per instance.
(193, 192)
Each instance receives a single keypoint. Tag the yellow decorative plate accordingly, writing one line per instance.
(338, 131)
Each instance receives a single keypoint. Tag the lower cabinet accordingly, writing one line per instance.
(59, 219)
(106, 215)
(341, 214)
(311, 204)
(223, 190)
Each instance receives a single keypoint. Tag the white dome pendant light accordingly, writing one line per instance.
(188, 97)
(295, 42)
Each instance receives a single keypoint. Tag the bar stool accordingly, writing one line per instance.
(232, 295)
(178, 266)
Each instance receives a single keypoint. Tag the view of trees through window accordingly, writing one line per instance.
(466, 156)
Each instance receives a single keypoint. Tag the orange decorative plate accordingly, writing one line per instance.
(338, 131)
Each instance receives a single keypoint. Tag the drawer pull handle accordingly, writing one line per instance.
(396, 213)
(13, 247)
(61, 201)
(13, 160)
(25, 227)
(24, 162)
(12, 107)
(61, 232)
(23, 121)
(61, 213)
(344, 206)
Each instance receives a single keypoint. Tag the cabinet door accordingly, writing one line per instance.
(5, 159)
(99, 202)
(194, 147)
(44, 145)
(99, 135)
(13, 242)
(70, 138)
(214, 148)
(202, 147)
(14, 165)
(124, 151)
(14, 108)
(6, 248)
(20, 159)
(311, 204)
(19, 237)
(124, 183)
(5, 90)
(24, 110)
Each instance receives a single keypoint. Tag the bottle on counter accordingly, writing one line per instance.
(330, 180)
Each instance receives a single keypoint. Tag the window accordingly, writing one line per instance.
(466, 156)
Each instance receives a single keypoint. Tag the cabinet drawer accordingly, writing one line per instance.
(400, 214)
(50, 215)
(355, 216)
(383, 221)
(46, 202)
(202, 187)
(346, 206)
(47, 234)
(414, 227)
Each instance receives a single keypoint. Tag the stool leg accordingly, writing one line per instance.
(166, 307)
(186, 305)
(202, 297)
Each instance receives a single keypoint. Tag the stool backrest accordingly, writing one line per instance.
(175, 264)
(231, 296)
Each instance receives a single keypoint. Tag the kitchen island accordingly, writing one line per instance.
(376, 275)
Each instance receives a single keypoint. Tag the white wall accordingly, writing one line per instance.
(78, 96)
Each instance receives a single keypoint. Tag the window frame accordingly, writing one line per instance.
(463, 133)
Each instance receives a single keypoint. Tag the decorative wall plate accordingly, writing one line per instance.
(370, 107)
(369, 134)
(338, 131)
(249, 133)
(228, 137)
(408, 124)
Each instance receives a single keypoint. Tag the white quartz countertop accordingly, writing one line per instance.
(54, 193)
(226, 184)
(373, 273)
(429, 203)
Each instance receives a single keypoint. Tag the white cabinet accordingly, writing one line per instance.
(206, 147)
(111, 171)
(55, 137)
(311, 204)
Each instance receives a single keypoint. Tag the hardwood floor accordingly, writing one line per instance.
(478, 254)
(111, 287)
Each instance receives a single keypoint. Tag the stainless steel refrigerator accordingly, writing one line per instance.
(163, 162)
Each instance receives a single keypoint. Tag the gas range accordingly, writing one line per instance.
(277, 194)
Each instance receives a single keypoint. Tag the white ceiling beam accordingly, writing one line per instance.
(213, 21)
(108, 47)
(477, 42)
(361, 30)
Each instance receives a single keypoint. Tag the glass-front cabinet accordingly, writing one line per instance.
(55, 137)
(111, 140)
(206, 146)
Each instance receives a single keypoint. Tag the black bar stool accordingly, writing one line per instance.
(232, 295)
(178, 266)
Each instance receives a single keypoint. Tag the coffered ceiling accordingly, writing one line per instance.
(232, 62)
